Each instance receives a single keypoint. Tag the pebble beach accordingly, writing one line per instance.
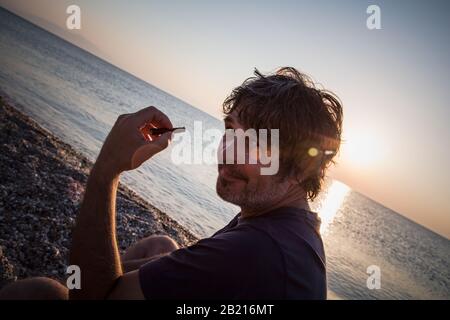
(42, 181)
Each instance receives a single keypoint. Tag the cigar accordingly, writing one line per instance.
(159, 131)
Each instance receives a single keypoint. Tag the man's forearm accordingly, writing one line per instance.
(94, 245)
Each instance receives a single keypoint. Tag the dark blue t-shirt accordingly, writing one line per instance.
(278, 255)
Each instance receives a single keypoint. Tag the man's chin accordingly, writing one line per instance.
(229, 190)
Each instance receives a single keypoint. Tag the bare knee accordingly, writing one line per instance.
(156, 245)
(34, 289)
(151, 246)
(163, 243)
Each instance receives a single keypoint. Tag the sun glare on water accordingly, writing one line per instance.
(329, 206)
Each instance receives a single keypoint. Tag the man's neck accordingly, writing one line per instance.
(300, 203)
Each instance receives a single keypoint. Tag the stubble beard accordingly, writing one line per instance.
(251, 197)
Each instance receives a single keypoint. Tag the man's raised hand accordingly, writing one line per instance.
(129, 143)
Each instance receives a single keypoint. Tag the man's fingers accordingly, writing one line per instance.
(149, 149)
(163, 140)
(153, 115)
(158, 143)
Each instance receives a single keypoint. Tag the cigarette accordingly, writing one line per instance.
(159, 131)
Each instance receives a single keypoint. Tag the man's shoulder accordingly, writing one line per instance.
(292, 229)
(279, 231)
(286, 220)
(245, 238)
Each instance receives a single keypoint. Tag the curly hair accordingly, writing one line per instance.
(309, 121)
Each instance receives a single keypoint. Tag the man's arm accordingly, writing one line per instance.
(94, 245)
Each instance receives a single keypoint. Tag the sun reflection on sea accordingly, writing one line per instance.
(330, 203)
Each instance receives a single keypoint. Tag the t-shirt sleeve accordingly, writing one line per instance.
(214, 268)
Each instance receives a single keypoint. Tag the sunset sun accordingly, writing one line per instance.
(362, 149)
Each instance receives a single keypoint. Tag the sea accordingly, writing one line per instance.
(372, 251)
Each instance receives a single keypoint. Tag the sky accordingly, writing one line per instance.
(393, 82)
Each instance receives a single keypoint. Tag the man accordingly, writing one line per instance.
(271, 250)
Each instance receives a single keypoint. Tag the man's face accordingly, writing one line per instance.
(243, 184)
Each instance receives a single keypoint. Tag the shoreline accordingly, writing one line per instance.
(43, 181)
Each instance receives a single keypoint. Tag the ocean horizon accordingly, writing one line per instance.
(78, 96)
